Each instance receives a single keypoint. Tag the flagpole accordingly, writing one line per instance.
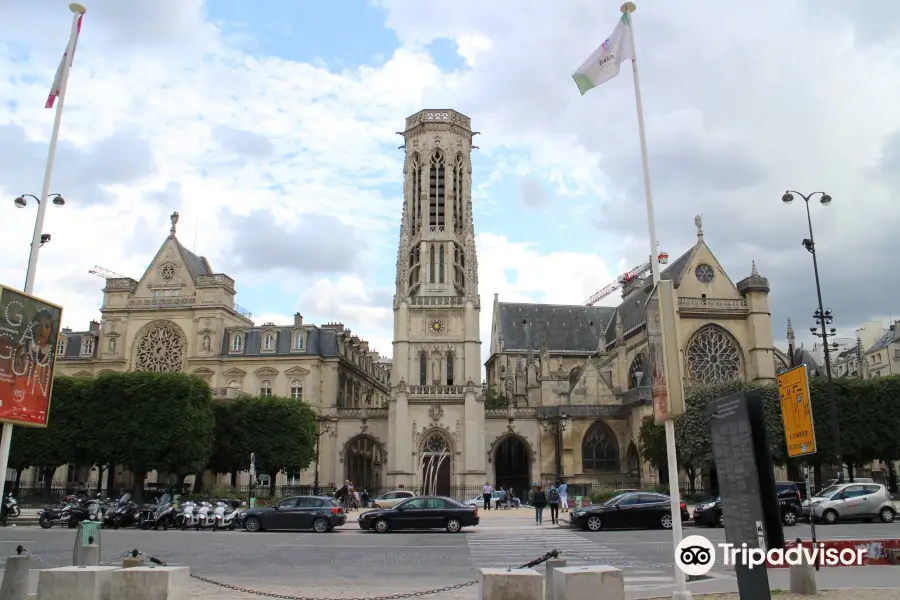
(77, 10)
(681, 592)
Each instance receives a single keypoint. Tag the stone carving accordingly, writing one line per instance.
(713, 303)
(698, 221)
(112, 345)
(620, 328)
(456, 435)
(167, 272)
(174, 220)
(436, 371)
(401, 386)
(436, 412)
(753, 271)
(161, 349)
(470, 387)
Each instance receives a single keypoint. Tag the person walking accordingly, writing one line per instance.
(563, 488)
(539, 502)
(553, 500)
(486, 492)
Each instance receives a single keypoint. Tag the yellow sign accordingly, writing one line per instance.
(796, 412)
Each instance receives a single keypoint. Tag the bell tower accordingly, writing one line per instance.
(437, 345)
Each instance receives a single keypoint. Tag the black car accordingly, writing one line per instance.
(709, 513)
(421, 512)
(634, 510)
(319, 513)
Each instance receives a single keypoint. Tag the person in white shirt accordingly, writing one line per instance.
(563, 495)
(486, 492)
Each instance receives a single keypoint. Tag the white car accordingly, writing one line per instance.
(391, 499)
(478, 501)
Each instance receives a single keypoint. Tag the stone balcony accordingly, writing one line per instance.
(525, 412)
(436, 394)
(712, 307)
(376, 414)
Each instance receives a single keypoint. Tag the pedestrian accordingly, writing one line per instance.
(365, 498)
(563, 488)
(486, 492)
(539, 502)
(512, 498)
(553, 499)
(344, 495)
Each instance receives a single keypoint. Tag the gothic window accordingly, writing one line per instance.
(160, 350)
(436, 444)
(60, 347)
(297, 389)
(450, 359)
(416, 191)
(423, 369)
(636, 371)
(87, 345)
(713, 356)
(269, 342)
(441, 264)
(265, 388)
(431, 270)
(436, 193)
(600, 449)
(237, 342)
(458, 214)
(704, 273)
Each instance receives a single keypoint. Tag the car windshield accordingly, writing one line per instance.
(827, 492)
(614, 499)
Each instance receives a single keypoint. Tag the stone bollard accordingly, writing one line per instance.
(89, 556)
(151, 583)
(553, 563)
(803, 575)
(515, 584)
(75, 583)
(588, 583)
(133, 561)
(15, 578)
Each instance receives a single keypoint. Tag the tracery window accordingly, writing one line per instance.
(450, 359)
(416, 191)
(600, 449)
(436, 443)
(636, 371)
(458, 214)
(160, 350)
(441, 264)
(431, 261)
(423, 369)
(713, 356)
(436, 194)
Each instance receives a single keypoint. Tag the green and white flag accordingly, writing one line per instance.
(604, 63)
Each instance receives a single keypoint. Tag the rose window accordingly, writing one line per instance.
(437, 444)
(161, 350)
(713, 356)
(704, 273)
(168, 272)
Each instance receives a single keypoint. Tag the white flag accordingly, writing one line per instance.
(64, 63)
(604, 63)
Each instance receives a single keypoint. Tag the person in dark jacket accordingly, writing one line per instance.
(539, 502)
(553, 499)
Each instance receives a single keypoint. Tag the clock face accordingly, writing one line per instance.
(436, 326)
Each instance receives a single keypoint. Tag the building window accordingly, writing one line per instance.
(234, 384)
(87, 346)
(237, 342)
(450, 359)
(265, 388)
(600, 449)
(436, 194)
(297, 389)
(298, 341)
(431, 261)
(423, 369)
(713, 356)
(416, 196)
(269, 342)
(441, 264)
(60, 347)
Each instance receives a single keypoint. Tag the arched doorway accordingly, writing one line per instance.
(435, 466)
(363, 462)
(512, 465)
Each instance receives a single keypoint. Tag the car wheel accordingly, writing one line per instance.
(594, 523)
(320, 525)
(454, 526)
(887, 515)
(666, 521)
(721, 520)
(830, 516)
(253, 524)
(382, 526)
(789, 518)
(14, 512)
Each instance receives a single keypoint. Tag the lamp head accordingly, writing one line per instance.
(58, 200)
(20, 202)
(812, 329)
(787, 198)
(826, 200)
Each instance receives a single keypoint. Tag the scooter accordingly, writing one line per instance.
(206, 517)
(49, 517)
(190, 517)
(122, 513)
(160, 514)
(231, 514)
(10, 506)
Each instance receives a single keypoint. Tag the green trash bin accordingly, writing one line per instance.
(86, 531)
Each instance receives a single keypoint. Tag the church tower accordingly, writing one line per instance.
(436, 408)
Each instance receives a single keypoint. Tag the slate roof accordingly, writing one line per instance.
(74, 340)
(319, 342)
(197, 265)
(567, 327)
(884, 341)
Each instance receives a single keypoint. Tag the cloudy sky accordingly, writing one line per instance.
(271, 130)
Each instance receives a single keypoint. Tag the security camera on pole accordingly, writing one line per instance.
(668, 390)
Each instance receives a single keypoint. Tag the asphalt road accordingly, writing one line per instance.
(418, 560)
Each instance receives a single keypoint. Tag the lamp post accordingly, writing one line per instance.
(823, 319)
(556, 425)
(22, 202)
(323, 426)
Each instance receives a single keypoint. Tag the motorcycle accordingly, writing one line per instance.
(85, 511)
(190, 516)
(10, 506)
(49, 517)
(161, 513)
(122, 513)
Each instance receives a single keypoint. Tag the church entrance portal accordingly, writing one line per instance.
(512, 466)
(434, 470)
(363, 461)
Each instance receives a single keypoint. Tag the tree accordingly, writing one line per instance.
(281, 432)
(161, 421)
(494, 398)
(226, 457)
(60, 442)
(652, 440)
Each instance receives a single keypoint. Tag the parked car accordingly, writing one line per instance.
(833, 482)
(709, 512)
(853, 501)
(498, 498)
(392, 499)
(633, 510)
(319, 513)
(422, 512)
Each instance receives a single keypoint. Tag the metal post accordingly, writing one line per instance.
(316, 480)
(812, 522)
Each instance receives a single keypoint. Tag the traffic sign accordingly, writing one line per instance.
(796, 412)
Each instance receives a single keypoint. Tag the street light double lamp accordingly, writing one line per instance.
(823, 318)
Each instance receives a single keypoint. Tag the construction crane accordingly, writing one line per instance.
(635, 273)
(105, 273)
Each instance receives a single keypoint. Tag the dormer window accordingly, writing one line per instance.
(298, 341)
(269, 342)
(87, 346)
(237, 342)
(60, 347)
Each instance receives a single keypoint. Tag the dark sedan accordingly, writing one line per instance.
(636, 510)
(422, 512)
(319, 513)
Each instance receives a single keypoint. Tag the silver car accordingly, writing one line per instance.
(853, 501)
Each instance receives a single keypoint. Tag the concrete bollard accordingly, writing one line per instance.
(151, 583)
(89, 556)
(803, 576)
(133, 561)
(75, 583)
(516, 584)
(15, 578)
(588, 583)
(553, 563)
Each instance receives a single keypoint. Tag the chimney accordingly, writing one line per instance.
(298, 319)
(67, 330)
(335, 326)
(364, 346)
(94, 326)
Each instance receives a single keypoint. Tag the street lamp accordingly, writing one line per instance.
(323, 426)
(22, 202)
(556, 425)
(823, 319)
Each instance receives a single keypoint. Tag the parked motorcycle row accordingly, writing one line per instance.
(115, 514)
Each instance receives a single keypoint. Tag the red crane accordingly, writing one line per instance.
(637, 272)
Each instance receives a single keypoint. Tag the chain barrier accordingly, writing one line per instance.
(23, 551)
(127, 553)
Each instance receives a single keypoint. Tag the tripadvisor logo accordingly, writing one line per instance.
(695, 555)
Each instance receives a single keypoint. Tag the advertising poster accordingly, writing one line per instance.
(29, 330)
